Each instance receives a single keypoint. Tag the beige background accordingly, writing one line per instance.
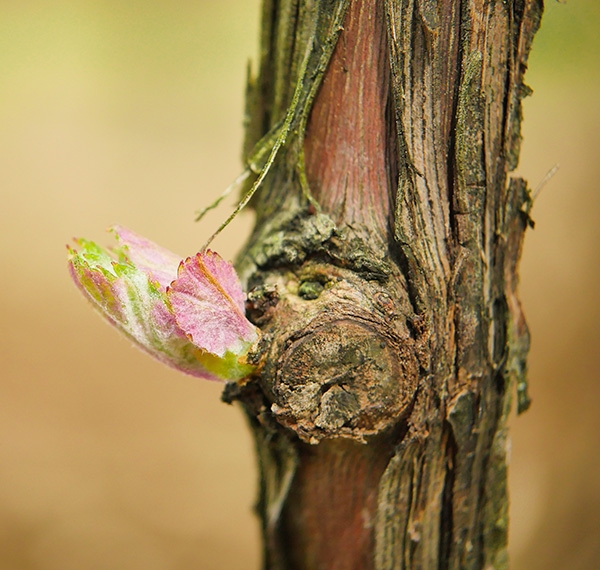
(131, 112)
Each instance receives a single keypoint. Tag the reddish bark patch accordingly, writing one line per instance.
(331, 510)
(347, 135)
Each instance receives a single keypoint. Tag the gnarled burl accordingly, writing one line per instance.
(382, 272)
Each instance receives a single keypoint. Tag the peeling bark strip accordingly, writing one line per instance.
(383, 276)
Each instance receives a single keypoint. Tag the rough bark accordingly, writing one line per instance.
(383, 274)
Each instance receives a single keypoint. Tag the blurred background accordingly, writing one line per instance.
(131, 112)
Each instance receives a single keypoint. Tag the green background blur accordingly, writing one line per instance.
(131, 112)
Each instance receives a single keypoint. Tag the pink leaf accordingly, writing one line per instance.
(133, 294)
(155, 261)
(208, 303)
